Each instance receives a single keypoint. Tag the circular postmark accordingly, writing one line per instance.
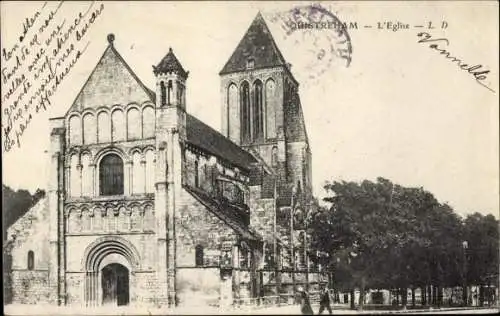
(319, 35)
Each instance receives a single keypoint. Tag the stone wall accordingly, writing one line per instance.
(112, 82)
(196, 225)
(231, 121)
(297, 170)
(146, 288)
(262, 211)
(145, 244)
(28, 233)
(142, 283)
(74, 288)
(30, 287)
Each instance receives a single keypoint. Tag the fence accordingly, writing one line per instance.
(273, 300)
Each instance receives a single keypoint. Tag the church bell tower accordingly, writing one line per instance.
(170, 134)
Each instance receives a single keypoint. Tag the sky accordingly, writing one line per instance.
(400, 110)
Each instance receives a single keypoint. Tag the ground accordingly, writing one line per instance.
(271, 310)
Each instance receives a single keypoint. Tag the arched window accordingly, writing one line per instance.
(149, 218)
(75, 130)
(85, 220)
(257, 111)
(274, 156)
(202, 175)
(135, 219)
(31, 260)
(148, 122)
(118, 126)
(196, 174)
(270, 109)
(97, 221)
(207, 177)
(233, 117)
(103, 128)
(86, 176)
(75, 177)
(169, 92)
(163, 92)
(245, 112)
(180, 93)
(111, 175)
(111, 219)
(138, 173)
(199, 255)
(250, 63)
(150, 171)
(89, 129)
(134, 128)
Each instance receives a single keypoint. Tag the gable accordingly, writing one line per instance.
(111, 82)
(30, 232)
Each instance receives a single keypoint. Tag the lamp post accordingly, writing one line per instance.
(465, 245)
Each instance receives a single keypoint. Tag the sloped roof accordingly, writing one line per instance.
(224, 214)
(258, 44)
(111, 82)
(170, 64)
(205, 137)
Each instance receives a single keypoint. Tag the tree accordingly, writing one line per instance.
(359, 231)
(481, 234)
(382, 235)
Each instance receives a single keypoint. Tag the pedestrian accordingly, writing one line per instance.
(325, 301)
(305, 305)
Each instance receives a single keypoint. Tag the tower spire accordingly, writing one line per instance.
(171, 81)
(256, 48)
(170, 64)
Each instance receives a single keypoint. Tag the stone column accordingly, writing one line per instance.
(94, 288)
(143, 170)
(67, 186)
(161, 218)
(55, 197)
(53, 206)
(127, 190)
(62, 246)
(80, 179)
(174, 191)
(93, 190)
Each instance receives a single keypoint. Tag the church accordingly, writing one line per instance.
(146, 205)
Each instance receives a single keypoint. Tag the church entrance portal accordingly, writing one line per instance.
(115, 284)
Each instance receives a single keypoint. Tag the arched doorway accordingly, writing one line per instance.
(115, 284)
(110, 263)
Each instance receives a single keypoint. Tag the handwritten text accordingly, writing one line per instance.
(476, 71)
(48, 48)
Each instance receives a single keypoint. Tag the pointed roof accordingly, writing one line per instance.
(170, 64)
(257, 44)
(112, 81)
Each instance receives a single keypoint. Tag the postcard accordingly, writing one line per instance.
(249, 157)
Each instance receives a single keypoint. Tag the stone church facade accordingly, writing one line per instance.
(147, 205)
